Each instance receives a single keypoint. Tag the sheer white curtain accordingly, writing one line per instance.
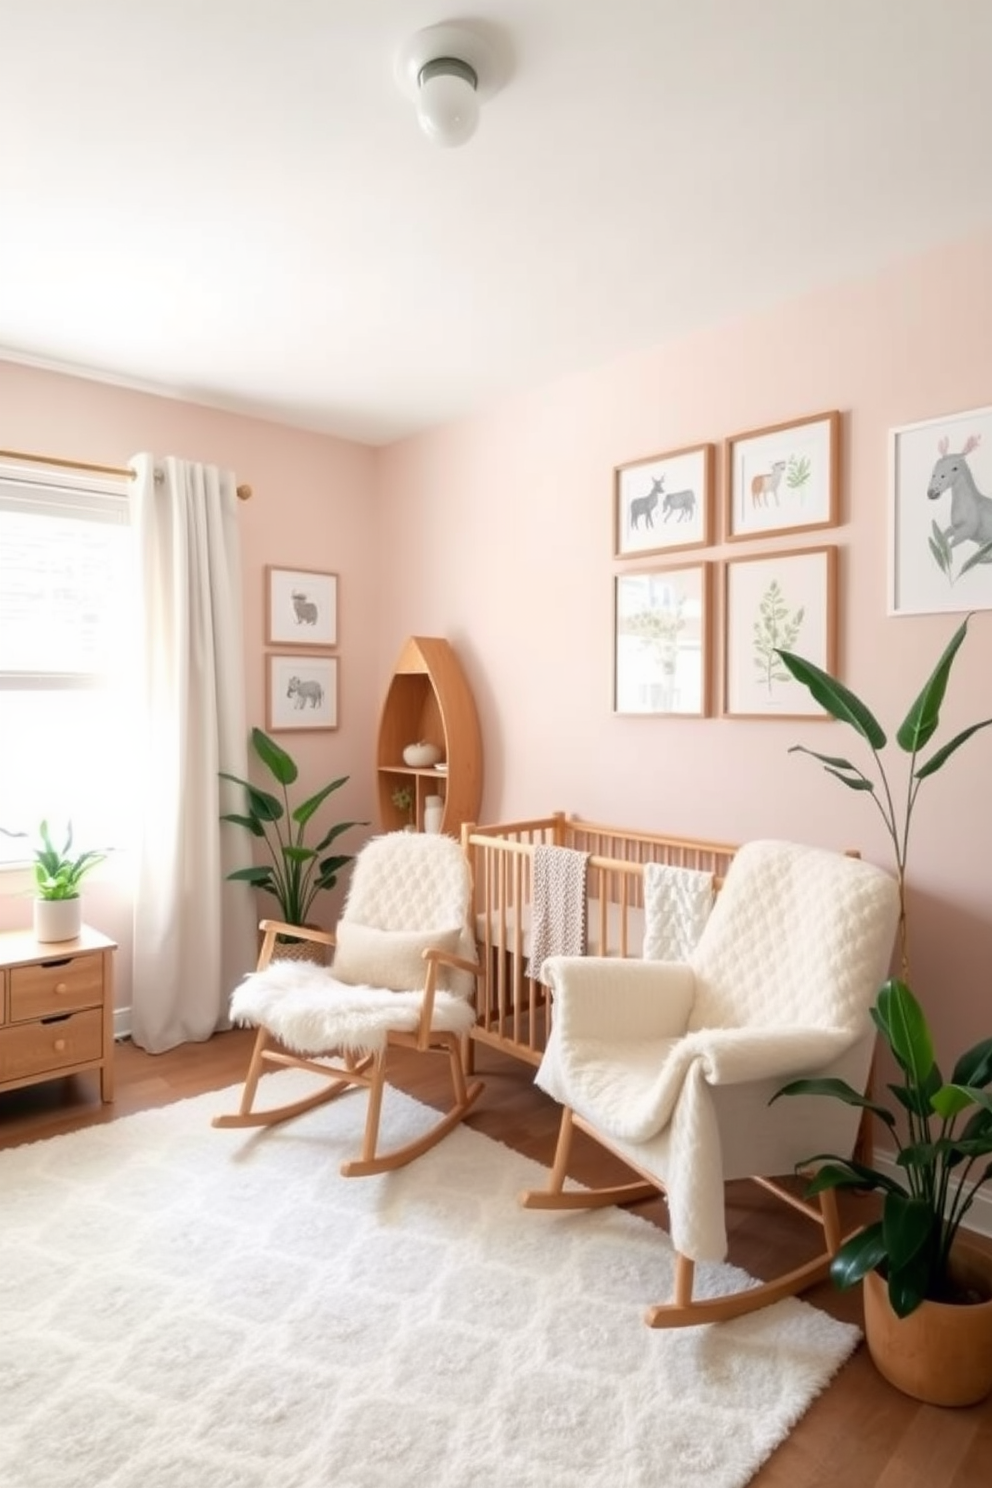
(194, 933)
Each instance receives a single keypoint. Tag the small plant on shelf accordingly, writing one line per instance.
(402, 799)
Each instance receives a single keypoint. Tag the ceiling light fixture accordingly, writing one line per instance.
(447, 71)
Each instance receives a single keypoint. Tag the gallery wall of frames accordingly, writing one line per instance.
(301, 669)
(685, 619)
(782, 480)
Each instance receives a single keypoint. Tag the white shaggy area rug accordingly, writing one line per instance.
(184, 1307)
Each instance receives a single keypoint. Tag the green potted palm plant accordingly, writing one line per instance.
(928, 1313)
(58, 876)
(298, 870)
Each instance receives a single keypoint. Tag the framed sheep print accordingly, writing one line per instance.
(784, 478)
(301, 692)
(777, 602)
(940, 515)
(301, 607)
(663, 503)
(661, 641)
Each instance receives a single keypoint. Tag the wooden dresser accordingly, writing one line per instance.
(56, 1008)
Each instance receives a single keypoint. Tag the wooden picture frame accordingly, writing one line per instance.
(661, 641)
(663, 503)
(784, 478)
(940, 515)
(782, 600)
(301, 692)
(301, 607)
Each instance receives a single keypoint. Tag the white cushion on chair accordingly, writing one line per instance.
(365, 956)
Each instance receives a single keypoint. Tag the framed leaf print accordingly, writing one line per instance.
(777, 601)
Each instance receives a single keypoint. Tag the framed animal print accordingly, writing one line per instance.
(940, 515)
(784, 478)
(662, 503)
(301, 607)
(301, 692)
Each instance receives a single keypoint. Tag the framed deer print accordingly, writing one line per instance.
(301, 607)
(784, 601)
(662, 504)
(940, 514)
(661, 641)
(784, 478)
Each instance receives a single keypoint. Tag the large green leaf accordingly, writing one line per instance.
(907, 1226)
(839, 1090)
(935, 761)
(950, 1100)
(838, 1172)
(250, 823)
(900, 1018)
(923, 718)
(261, 877)
(974, 1067)
(861, 1253)
(839, 701)
(280, 765)
(303, 813)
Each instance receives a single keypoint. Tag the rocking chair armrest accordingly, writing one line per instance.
(450, 959)
(272, 928)
(613, 997)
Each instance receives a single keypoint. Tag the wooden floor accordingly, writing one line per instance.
(859, 1434)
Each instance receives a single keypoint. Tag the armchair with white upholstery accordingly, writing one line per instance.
(672, 1065)
(403, 975)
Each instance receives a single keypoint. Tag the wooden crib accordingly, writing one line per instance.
(513, 1010)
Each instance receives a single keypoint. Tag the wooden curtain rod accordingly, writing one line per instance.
(244, 492)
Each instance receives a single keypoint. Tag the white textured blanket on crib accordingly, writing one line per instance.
(677, 904)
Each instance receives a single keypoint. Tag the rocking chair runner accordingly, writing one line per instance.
(403, 975)
(671, 1066)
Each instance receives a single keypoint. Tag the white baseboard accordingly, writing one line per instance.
(979, 1217)
(122, 1023)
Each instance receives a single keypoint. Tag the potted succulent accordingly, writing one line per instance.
(298, 870)
(58, 874)
(402, 799)
(928, 1299)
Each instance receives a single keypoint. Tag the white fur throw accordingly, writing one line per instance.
(309, 1012)
(365, 956)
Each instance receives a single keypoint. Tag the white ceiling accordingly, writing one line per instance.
(231, 201)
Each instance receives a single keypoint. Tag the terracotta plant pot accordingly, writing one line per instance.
(942, 1352)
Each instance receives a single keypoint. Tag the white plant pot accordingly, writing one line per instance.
(57, 919)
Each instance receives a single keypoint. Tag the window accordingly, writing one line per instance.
(66, 661)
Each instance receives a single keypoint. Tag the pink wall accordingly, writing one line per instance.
(507, 544)
(313, 507)
(497, 533)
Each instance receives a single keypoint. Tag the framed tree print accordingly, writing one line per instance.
(301, 607)
(777, 602)
(784, 478)
(663, 503)
(661, 643)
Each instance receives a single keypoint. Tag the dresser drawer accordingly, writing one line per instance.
(50, 1046)
(57, 986)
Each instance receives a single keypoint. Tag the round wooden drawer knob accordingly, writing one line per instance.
(60, 987)
(59, 1046)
